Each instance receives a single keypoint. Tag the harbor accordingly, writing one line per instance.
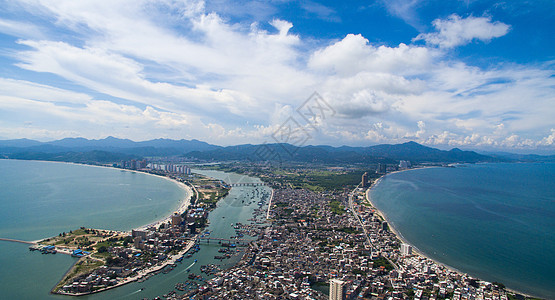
(218, 246)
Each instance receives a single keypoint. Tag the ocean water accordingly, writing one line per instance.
(106, 198)
(492, 221)
(41, 199)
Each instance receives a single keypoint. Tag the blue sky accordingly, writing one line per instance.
(467, 74)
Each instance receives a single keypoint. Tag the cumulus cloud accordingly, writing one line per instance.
(456, 31)
(354, 54)
(146, 69)
(549, 140)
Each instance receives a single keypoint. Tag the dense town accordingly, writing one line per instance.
(312, 245)
(316, 245)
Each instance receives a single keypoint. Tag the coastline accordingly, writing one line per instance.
(393, 229)
(156, 267)
(183, 203)
(416, 250)
(384, 216)
(137, 277)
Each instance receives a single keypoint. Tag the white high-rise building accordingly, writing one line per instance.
(406, 249)
(337, 289)
(404, 164)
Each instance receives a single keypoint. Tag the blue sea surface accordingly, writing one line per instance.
(41, 199)
(492, 221)
(71, 196)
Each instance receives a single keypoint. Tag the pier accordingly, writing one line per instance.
(17, 241)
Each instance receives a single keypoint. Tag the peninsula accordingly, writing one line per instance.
(108, 258)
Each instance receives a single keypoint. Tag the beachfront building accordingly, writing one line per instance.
(381, 169)
(364, 182)
(404, 164)
(406, 249)
(176, 219)
(384, 226)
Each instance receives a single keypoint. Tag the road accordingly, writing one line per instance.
(355, 214)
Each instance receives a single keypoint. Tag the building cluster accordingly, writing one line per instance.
(150, 247)
(160, 167)
(170, 168)
(404, 164)
(382, 168)
(101, 278)
(133, 164)
(322, 243)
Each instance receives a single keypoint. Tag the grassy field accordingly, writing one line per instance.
(85, 238)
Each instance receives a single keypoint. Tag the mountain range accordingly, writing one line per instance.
(113, 149)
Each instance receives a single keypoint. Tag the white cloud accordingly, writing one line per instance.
(146, 69)
(404, 9)
(321, 11)
(549, 140)
(354, 54)
(20, 29)
(41, 92)
(282, 26)
(421, 129)
(122, 77)
(455, 31)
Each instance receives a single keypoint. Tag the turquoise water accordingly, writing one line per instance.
(492, 221)
(106, 198)
(42, 199)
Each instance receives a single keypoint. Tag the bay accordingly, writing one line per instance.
(110, 199)
(41, 199)
(492, 221)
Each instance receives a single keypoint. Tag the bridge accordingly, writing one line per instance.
(248, 184)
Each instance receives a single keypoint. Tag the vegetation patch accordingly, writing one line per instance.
(336, 207)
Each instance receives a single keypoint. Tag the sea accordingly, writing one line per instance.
(493, 221)
(42, 199)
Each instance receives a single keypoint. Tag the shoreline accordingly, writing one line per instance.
(416, 250)
(137, 277)
(393, 229)
(183, 203)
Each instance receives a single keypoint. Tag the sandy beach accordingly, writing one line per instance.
(400, 236)
(392, 228)
(184, 204)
